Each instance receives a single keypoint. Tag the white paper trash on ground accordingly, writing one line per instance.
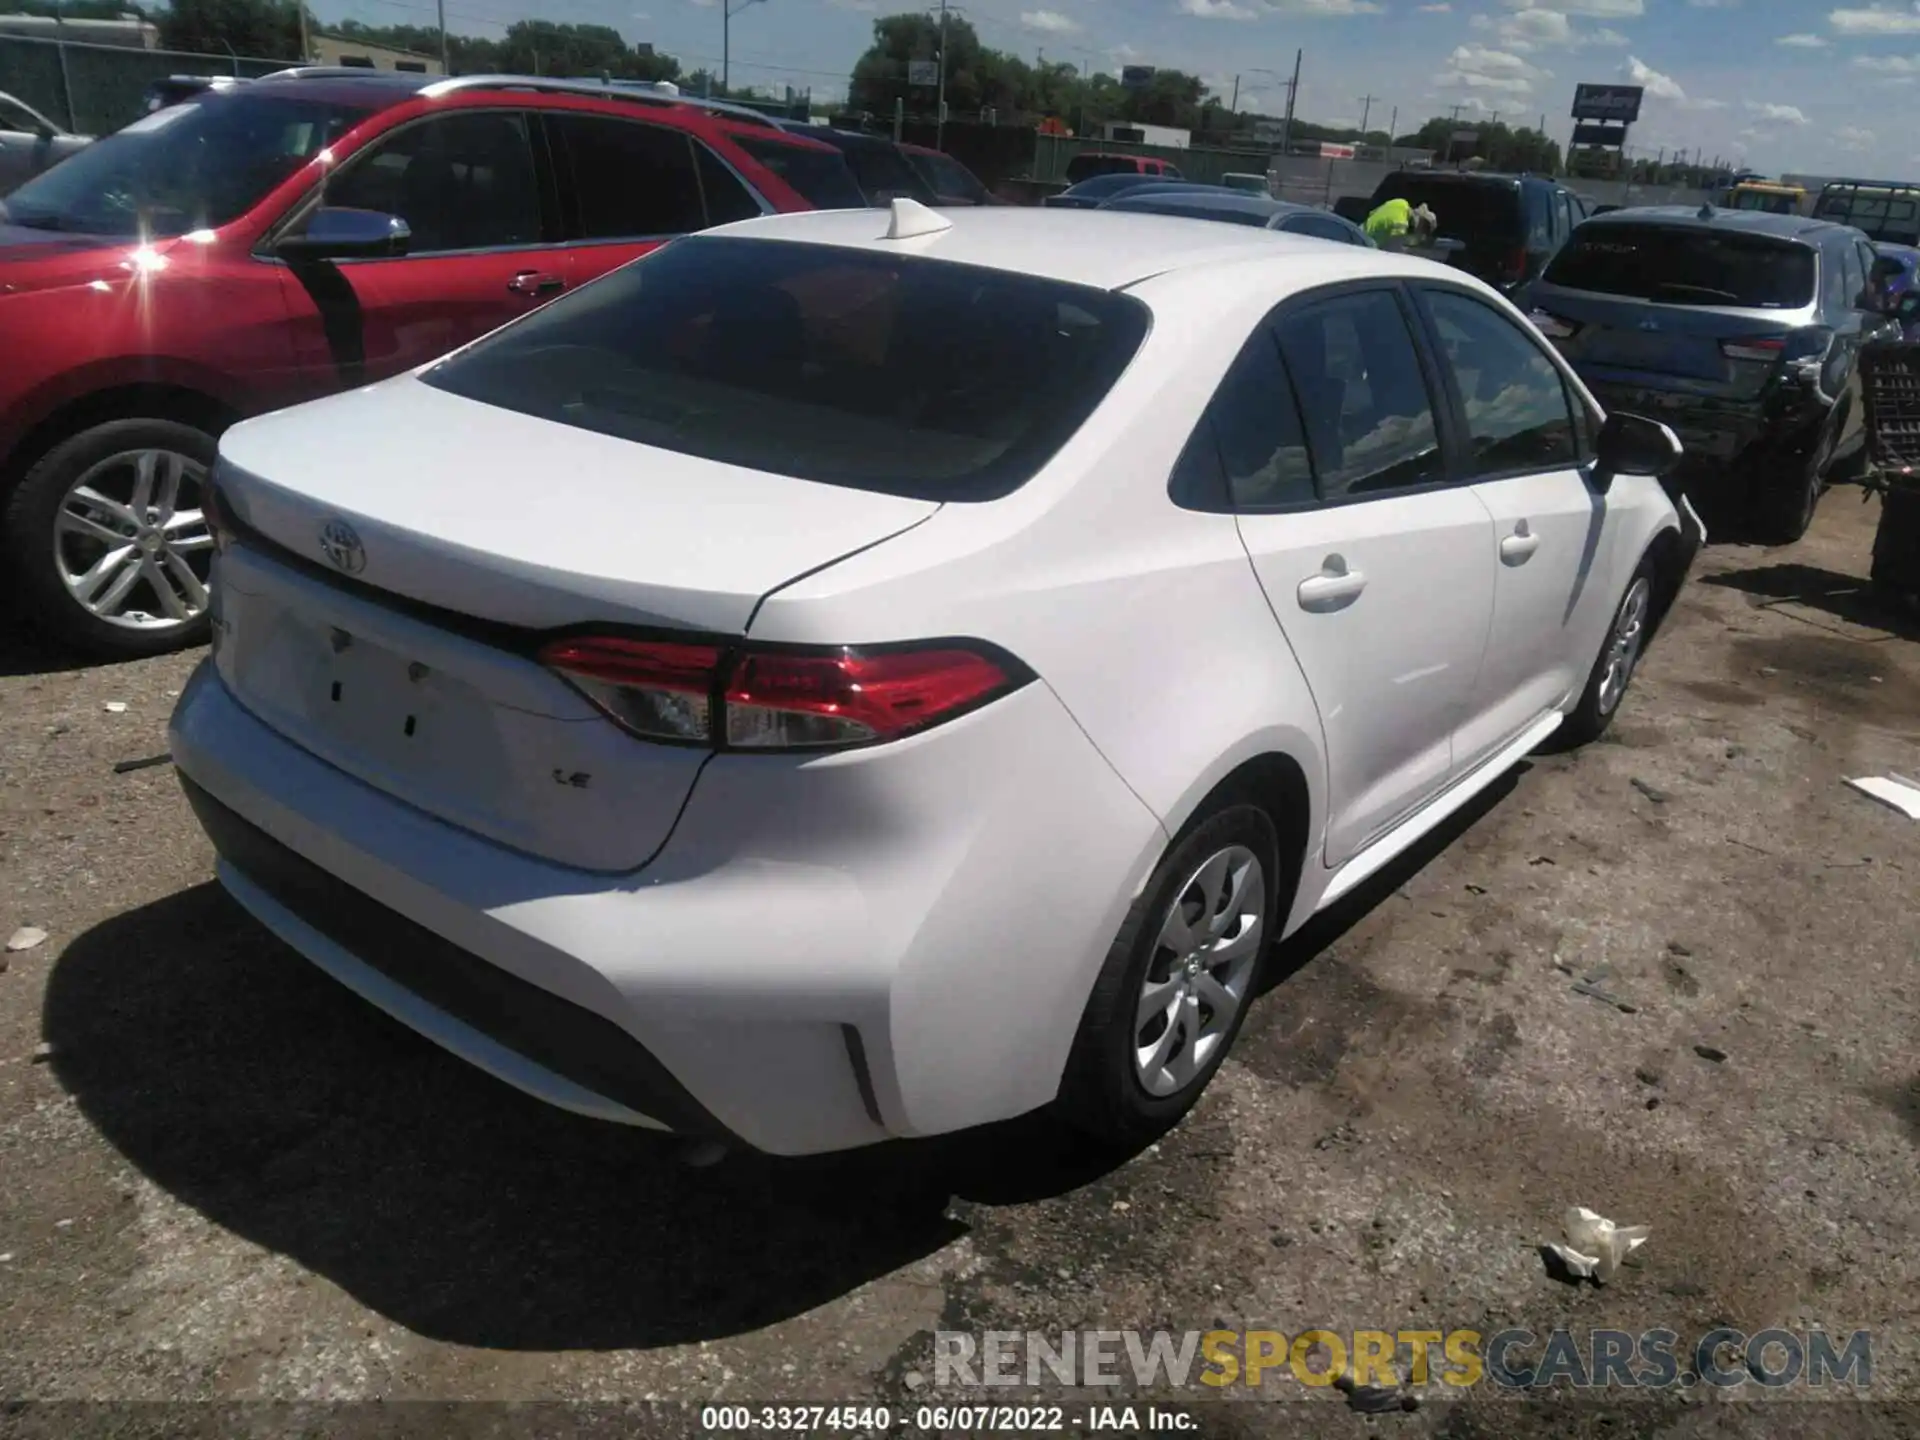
(1895, 790)
(1595, 1245)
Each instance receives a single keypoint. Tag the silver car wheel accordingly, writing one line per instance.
(131, 544)
(1201, 970)
(1623, 651)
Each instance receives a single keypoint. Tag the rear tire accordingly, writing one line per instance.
(126, 488)
(1177, 980)
(1784, 507)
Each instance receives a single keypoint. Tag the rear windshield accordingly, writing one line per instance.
(1685, 267)
(1469, 212)
(1884, 214)
(1084, 167)
(821, 176)
(894, 373)
(883, 173)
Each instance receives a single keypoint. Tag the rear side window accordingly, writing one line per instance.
(1516, 407)
(1320, 228)
(1369, 418)
(1681, 266)
(820, 175)
(886, 372)
(727, 197)
(629, 179)
(1256, 425)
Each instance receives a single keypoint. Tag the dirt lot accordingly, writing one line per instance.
(226, 1178)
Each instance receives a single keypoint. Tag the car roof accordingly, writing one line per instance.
(1753, 222)
(1472, 177)
(1107, 249)
(380, 89)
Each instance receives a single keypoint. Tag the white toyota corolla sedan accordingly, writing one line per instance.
(873, 673)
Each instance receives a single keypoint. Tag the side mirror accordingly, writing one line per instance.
(1633, 445)
(337, 233)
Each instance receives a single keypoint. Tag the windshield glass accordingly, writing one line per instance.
(1678, 266)
(1773, 202)
(189, 167)
(883, 173)
(874, 371)
(821, 176)
(1883, 212)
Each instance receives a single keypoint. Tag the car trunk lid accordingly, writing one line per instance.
(383, 603)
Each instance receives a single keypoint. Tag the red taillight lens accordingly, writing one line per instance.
(1516, 265)
(782, 702)
(1766, 349)
(658, 690)
(777, 699)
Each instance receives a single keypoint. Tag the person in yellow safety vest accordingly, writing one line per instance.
(1396, 222)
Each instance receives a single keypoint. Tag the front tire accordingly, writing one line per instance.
(1177, 980)
(1784, 507)
(106, 540)
(1613, 672)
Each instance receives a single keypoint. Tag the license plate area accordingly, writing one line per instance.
(381, 704)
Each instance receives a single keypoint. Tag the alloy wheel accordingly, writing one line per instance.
(130, 542)
(1201, 970)
(1629, 636)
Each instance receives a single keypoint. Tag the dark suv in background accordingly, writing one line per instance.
(1738, 329)
(1502, 228)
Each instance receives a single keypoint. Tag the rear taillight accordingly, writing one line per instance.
(1514, 267)
(1552, 326)
(1766, 349)
(777, 699)
(219, 520)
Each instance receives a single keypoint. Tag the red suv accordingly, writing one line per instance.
(308, 232)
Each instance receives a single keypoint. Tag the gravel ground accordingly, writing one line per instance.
(227, 1179)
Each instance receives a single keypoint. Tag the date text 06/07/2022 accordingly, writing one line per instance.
(944, 1419)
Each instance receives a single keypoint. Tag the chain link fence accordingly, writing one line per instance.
(93, 89)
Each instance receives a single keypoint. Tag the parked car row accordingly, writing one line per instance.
(266, 242)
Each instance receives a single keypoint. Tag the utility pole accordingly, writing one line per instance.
(1453, 123)
(1366, 113)
(1393, 129)
(1293, 89)
(445, 69)
(940, 57)
(1234, 107)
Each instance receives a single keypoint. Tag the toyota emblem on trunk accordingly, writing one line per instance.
(340, 543)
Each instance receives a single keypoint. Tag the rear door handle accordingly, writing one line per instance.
(535, 282)
(1518, 547)
(1334, 588)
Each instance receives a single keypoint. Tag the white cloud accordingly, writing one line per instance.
(1048, 22)
(1778, 114)
(1876, 20)
(1443, 8)
(1660, 87)
(1601, 9)
(1535, 26)
(1802, 42)
(1852, 137)
(1891, 64)
(1217, 10)
(1476, 67)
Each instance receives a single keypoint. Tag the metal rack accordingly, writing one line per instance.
(638, 92)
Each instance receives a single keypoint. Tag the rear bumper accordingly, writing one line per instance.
(829, 951)
(1770, 432)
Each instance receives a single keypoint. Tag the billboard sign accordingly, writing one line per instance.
(1464, 137)
(923, 72)
(1136, 77)
(1617, 103)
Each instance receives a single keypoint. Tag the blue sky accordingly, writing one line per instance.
(1785, 85)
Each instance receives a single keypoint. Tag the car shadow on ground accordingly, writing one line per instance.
(256, 1090)
(1845, 597)
(24, 651)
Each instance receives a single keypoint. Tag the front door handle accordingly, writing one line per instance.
(535, 282)
(1518, 547)
(1334, 588)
